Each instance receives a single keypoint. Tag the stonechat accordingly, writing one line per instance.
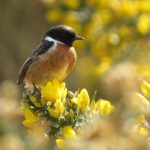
(54, 58)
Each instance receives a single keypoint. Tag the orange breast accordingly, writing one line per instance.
(55, 64)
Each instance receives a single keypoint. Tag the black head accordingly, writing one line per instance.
(63, 34)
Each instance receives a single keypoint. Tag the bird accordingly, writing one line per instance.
(54, 58)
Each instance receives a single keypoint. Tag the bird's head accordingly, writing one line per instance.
(63, 34)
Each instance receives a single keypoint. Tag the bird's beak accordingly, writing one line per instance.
(78, 37)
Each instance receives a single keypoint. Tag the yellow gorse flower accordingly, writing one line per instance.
(83, 100)
(53, 91)
(69, 133)
(59, 106)
(54, 113)
(143, 24)
(57, 110)
(30, 118)
(104, 107)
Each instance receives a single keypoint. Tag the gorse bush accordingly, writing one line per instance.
(64, 116)
(61, 112)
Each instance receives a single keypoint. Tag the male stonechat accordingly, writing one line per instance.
(54, 58)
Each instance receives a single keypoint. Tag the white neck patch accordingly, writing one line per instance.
(50, 39)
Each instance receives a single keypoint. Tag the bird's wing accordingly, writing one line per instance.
(42, 48)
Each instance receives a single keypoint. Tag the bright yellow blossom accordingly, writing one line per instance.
(54, 113)
(69, 132)
(129, 8)
(144, 6)
(54, 90)
(143, 24)
(83, 100)
(30, 118)
(104, 107)
(59, 106)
